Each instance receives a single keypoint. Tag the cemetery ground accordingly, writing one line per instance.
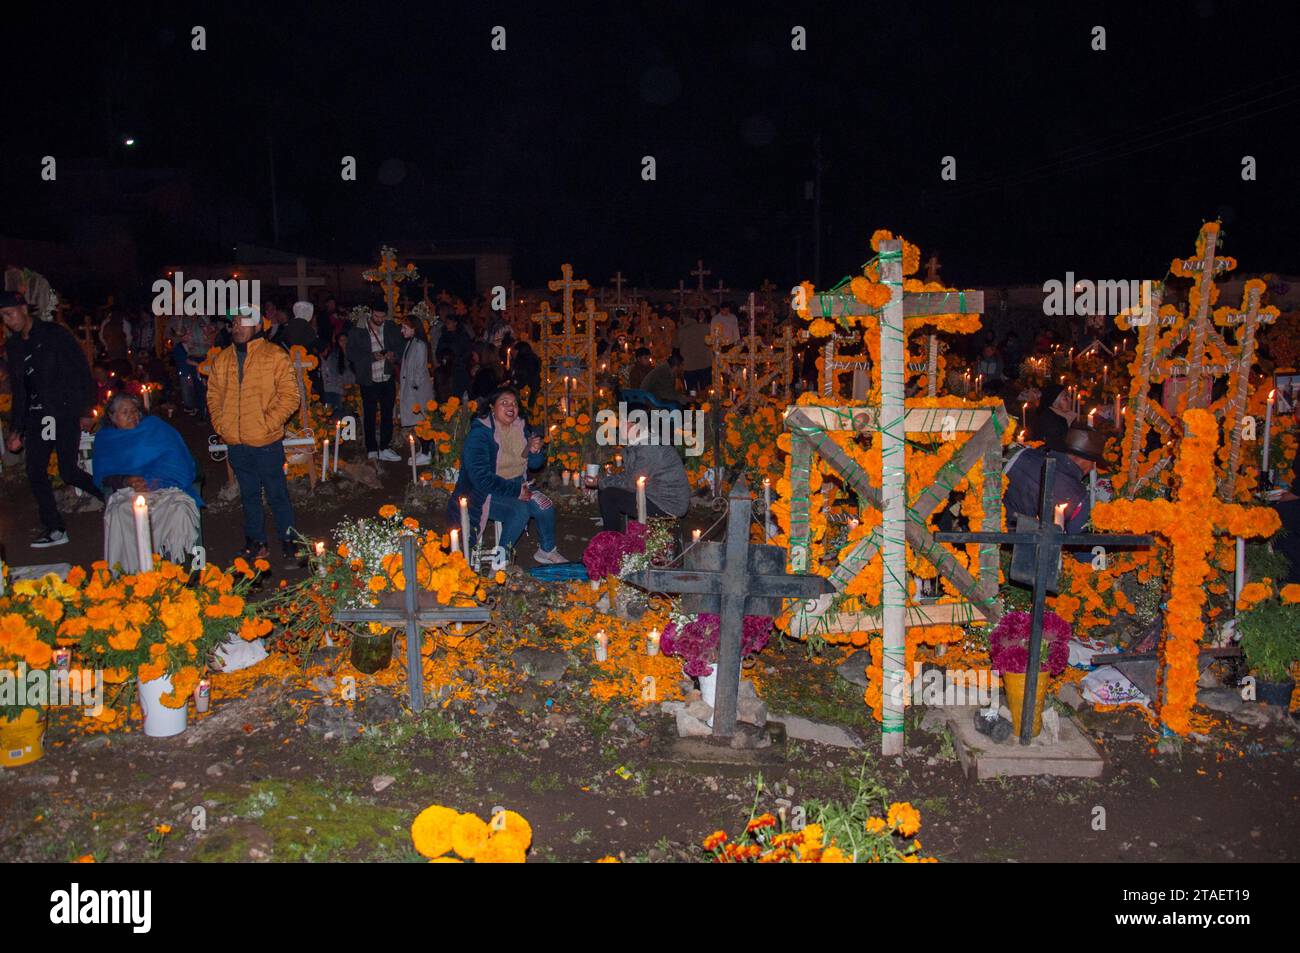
(281, 770)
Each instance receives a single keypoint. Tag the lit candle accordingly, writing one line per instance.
(767, 507)
(320, 557)
(1268, 429)
(640, 500)
(338, 439)
(325, 460)
(464, 525)
(143, 540)
(1119, 412)
(1240, 580)
(415, 476)
(1091, 415)
(202, 695)
(602, 646)
(144, 394)
(1059, 518)
(455, 540)
(695, 536)
(652, 643)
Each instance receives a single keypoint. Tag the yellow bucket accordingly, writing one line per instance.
(21, 737)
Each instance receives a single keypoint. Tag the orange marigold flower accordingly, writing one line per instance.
(387, 511)
(904, 818)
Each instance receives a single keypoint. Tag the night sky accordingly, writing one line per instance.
(1104, 163)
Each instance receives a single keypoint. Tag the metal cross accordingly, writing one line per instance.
(419, 611)
(1046, 539)
(747, 578)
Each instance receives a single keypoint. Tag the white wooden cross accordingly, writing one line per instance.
(301, 281)
(618, 288)
(699, 272)
(720, 290)
(681, 293)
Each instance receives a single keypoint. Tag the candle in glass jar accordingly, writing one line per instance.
(143, 538)
(202, 695)
(652, 642)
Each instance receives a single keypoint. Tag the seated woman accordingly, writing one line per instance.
(498, 452)
(137, 454)
(667, 488)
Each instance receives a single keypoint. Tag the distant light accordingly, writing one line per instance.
(128, 141)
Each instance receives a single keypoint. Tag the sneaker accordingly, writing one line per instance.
(55, 537)
(391, 456)
(422, 459)
(372, 455)
(549, 557)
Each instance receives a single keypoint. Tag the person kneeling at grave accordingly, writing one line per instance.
(667, 489)
(1077, 454)
(139, 455)
(498, 452)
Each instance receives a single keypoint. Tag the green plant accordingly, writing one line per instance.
(1270, 637)
(1264, 563)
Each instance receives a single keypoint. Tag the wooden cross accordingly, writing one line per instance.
(932, 267)
(1194, 491)
(1046, 539)
(302, 363)
(760, 365)
(1248, 318)
(566, 284)
(301, 281)
(893, 490)
(618, 289)
(699, 272)
(88, 328)
(419, 611)
(390, 274)
(1208, 266)
(720, 290)
(743, 578)
(681, 293)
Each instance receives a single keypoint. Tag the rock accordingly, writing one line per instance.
(1257, 716)
(218, 769)
(95, 743)
(672, 708)
(626, 725)
(1069, 694)
(381, 781)
(529, 699)
(854, 668)
(932, 722)
(323, 684)
(700, 709)
(807, 729)
(542, 664)
(378, 708)
(363, 473)
(750, 737)
(332, 723)
(688, 726)
(554, 721)
(486, 707)
(1208, 680)
(178, 785)
(1224, 700)
(1052, 725)
(751, 709)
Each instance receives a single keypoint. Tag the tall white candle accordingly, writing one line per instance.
(455, 539)
(602, 646)
(338, 439)
(325, 460)
(640, 499)
(415, 477)
(464, 526)
(143, 538)
(1240, 581)
(1268, 429)
(144, 394)
(767, 507)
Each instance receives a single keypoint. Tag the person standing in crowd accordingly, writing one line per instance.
(373, 347)
(454, 348)
(724, 327)
(416, 385)
(115, 336)
(1052, 417)
(334, 374)
(53, 394)
(989, 367)
(641, 365)
(1079, 453)
(300, 330)
(692, 342)
(191, 335)
(526, 370)
(252, 393)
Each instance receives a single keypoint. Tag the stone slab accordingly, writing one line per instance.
(821, 732)
(1073, 755)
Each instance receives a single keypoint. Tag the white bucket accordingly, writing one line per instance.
(159, 720)
(709, 686)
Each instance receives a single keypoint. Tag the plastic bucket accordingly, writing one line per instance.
(159, 720)
(21, 738)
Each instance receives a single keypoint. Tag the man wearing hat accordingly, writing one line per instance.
(53, 394)
(1080, 452)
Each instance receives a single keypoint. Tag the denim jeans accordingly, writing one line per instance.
(259, 469)
(514, 514)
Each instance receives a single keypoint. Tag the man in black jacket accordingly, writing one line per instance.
(53, 394)
(453, 350)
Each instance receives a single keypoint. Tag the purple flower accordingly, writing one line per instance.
(604, 554)
(696, 643)
(1009, 643)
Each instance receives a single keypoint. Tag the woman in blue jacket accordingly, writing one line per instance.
(499, 451)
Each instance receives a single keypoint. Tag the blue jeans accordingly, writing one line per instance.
(258, 469)
(514, 514)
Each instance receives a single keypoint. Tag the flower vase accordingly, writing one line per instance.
(22, 738)
(371, 653)
(1013, 683)
(709, 686)
(159, 720)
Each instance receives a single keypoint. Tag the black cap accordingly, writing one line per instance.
(12, 299)
(1084, 443)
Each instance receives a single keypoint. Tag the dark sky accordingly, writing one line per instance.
(1103, 163)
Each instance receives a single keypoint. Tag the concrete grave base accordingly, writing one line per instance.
(1072, 755)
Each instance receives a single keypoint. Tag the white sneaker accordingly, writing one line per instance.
(55, 537)
(390, 456)
(372, 455)
(422, 459)
(549, 557)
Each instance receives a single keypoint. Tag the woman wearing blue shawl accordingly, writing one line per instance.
(135, 455)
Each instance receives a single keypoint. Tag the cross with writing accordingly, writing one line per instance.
(1045, 538)
(747, 578)
(301, 281)
(419, 611)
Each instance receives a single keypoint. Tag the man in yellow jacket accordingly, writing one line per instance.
(251, 396)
